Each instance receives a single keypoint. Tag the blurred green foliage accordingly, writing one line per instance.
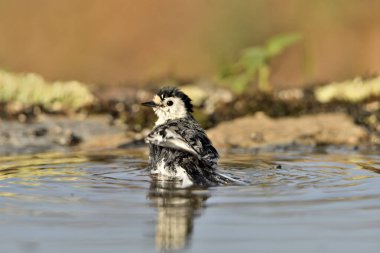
(23, 90)
(253, 66)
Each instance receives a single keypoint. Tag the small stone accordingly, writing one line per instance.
(41, 131)
(69, 139)
(73, 140)
(22, 118)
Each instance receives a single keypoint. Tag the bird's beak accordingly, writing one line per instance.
(150, 104)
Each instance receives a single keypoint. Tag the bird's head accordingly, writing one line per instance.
(170, 103)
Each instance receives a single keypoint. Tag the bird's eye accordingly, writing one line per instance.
(169, 103)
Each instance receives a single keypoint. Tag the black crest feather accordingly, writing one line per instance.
(167, 92)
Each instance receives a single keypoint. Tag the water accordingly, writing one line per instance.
(106, 202)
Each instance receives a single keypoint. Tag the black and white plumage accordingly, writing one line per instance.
(179, 147)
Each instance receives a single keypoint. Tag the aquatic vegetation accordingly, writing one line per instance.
(21, 90)
(253, 66)
(354, 91)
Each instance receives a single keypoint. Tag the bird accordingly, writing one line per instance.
(179, 148)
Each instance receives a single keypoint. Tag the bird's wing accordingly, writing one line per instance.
(167, 137)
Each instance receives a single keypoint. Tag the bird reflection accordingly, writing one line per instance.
(176, 210)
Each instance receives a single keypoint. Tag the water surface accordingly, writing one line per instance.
(106, 202)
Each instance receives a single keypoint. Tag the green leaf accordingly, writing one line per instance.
(252, 66)
(278, 44)
(253, 58)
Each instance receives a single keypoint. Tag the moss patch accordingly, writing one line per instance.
(19, 91)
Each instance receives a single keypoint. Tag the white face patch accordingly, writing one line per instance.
(169, 108)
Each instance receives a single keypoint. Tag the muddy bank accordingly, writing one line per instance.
(261, 131)
(57, 133)
(333, 114)
(216, 105)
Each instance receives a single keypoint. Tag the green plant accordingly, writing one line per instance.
(253, 64)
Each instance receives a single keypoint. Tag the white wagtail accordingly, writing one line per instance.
(179, 147)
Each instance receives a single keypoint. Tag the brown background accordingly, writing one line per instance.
(132, 42)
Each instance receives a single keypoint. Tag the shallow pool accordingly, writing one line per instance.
(105, 201)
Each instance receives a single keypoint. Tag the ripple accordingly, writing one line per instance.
(109, 199)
